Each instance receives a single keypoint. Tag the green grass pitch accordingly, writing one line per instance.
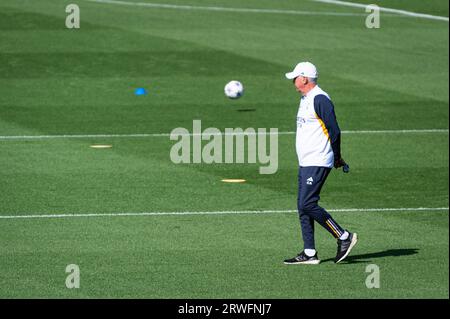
(56, 81)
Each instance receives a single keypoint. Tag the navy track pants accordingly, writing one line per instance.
(310, 182)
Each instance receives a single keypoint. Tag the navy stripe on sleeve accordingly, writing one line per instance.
(325, 111)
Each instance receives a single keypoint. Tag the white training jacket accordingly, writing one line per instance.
(318, 135)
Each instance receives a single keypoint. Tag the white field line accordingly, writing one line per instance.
(383, 9)
(351, 210)
(224, 9)
(396, 12)
(144, 135)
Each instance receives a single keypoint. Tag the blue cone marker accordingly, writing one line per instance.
(140, 91)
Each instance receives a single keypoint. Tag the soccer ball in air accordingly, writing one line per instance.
(234, 89)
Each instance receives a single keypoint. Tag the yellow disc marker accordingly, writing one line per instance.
(101, 146)
(233, 180)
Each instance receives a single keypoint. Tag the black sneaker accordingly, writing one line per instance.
(345, 246)
(303, 259)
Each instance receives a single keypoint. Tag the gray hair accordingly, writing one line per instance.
(314, 80)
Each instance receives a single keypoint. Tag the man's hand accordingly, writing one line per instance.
(339, 163)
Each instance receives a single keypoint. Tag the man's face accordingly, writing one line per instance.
(300, 83)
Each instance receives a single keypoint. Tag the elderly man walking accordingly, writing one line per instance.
(318, 144)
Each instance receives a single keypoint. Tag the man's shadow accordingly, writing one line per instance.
(365, 258)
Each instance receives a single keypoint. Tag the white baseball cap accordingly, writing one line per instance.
(306, 69)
